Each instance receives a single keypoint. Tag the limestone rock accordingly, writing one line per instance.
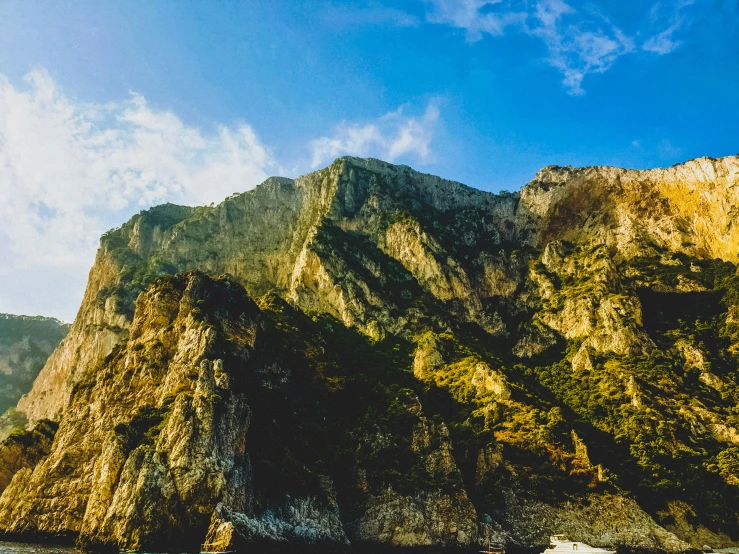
(306, 522)
(165, 443)
(582, 361)
(24, 449)
(599, 520)
(352, 379)
(487, 380)
(442, 517)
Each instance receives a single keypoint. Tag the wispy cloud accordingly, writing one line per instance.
(476, 17)
(668, 151)
(71, 170)
(664, 41)
(579, 40)
(390, 137)
(577, 43)
(342, 16)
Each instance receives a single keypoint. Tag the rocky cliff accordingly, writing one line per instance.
(370, 355)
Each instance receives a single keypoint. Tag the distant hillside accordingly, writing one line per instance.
(25, 345)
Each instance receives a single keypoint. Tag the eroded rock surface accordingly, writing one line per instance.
(367, 354)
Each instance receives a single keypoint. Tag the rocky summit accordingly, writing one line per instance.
(371, 356)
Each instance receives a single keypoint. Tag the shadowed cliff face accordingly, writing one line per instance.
(213, 401)
(398, 359)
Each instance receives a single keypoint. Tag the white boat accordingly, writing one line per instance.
(559, 544)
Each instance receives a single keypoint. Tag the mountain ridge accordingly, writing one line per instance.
(317, 199)
(528, 353)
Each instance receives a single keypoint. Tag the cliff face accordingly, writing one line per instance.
(162, 441)
(266, 238)
(689, 208)
(397, 359)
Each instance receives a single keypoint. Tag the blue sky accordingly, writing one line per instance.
(109, 107)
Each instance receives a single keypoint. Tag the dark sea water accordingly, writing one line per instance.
(21, 548)
(24, 548)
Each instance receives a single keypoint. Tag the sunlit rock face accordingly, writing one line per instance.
(151, 434)
(371, 355)
(686, 208)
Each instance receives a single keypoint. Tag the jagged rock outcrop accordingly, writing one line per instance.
(152, 440)
(24, 449)
(599, 520)
(688, 207)
(443, 516)
(263, 238)
(395, 359)
(310, 523)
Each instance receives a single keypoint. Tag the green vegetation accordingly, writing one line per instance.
(12, 420)
(650, 417)
(652, 411)
(43, 431)
(645, 417)
(143, 428)
(138, 267)
(637, 425)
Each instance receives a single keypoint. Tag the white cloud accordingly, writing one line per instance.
(69, 170)
(578, 42)
(390, 137)
(577, 46)
(476, 16)
(663, 42)
(668, 151)
(346, 16)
